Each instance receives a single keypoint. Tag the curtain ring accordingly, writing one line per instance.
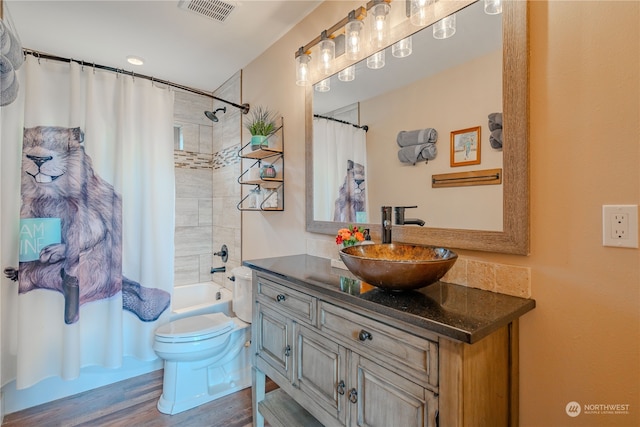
(82, 66)
(94, 68)
(38, 57)
(133, 76)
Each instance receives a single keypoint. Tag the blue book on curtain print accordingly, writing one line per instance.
(37, 233)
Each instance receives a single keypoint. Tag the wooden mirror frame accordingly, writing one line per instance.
(514, 237)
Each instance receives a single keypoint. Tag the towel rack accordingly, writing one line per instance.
(460, 179)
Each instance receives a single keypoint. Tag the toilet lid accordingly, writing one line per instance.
(195, 328)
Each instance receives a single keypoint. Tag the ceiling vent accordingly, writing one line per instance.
(213, 9)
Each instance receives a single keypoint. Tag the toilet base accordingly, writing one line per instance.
(172, 407)
(190, 384)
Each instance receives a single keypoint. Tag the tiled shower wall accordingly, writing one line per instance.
(226, 169)
(207, 192)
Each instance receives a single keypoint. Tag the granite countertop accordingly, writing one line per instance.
(457, 312)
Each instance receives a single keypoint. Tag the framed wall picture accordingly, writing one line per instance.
(465, 147)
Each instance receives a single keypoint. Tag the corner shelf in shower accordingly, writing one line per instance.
(273, 155)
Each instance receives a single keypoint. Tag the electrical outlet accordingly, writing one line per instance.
(620, 226)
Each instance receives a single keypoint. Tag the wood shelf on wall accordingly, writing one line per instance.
(464, 179)
(262, 153)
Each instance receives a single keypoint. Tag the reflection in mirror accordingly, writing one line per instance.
(446, 85)
(458, 89)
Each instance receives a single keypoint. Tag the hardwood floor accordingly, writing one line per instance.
(133, 403)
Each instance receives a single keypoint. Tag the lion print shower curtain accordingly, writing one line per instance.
(340, 170)
(88, 234)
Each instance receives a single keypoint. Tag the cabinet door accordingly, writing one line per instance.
(273, 340)
(381, 398)
(404, 353)
(320, 371)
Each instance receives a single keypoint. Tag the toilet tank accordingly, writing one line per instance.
(242, 293)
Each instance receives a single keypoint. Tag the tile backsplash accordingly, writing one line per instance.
(502, 278)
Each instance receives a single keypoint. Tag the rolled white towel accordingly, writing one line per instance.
(10, 46)
(416, 137)
(495, 139)
(415, 153)
(495, 121)
(8, 82)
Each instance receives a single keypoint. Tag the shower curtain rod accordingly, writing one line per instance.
(41, 55)
(365, 127)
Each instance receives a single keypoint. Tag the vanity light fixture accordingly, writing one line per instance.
(302, 68)
(445, 28)
(380, 26)
(402, 48)
(303, 54)
(421, 12)
(376, 61)
(327, 54)
(353, 36)
(348, 74)
(323, 85)
(352, 26)
(492, 7)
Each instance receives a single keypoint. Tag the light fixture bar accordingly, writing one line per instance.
(360, 13)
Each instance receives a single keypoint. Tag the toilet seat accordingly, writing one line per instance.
(196, 328)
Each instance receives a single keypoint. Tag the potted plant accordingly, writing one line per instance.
(260, 123)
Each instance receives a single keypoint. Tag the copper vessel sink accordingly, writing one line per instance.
(398, 266)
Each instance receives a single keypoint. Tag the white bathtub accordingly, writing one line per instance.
(200, 298)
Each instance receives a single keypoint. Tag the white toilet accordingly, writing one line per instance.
(206, 356)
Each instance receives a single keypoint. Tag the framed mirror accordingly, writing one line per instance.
(462, 226)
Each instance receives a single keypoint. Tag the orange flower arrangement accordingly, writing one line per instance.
(349, 236)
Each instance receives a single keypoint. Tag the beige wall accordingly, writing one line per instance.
(582, 342)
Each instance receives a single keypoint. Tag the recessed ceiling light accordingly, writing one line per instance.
(135, 60)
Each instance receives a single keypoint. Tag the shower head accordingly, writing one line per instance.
(212, 115)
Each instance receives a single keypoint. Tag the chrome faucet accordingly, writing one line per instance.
(218, 269)
(386, 224)
(401, 220)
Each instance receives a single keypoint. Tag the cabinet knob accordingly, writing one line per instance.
(280, 297)
(287, 351)
(353, 395)
(340, 387)
(364, 335)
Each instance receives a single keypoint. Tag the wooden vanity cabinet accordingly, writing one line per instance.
(336, 366)
(355, 390)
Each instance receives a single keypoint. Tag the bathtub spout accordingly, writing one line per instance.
(218, 269)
